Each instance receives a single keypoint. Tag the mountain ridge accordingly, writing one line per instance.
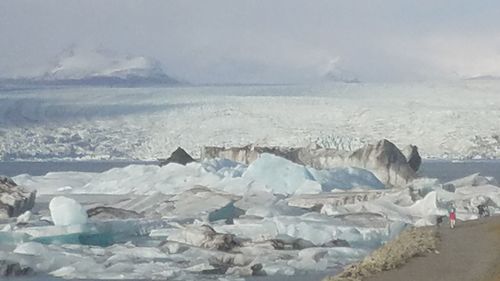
(75, 67)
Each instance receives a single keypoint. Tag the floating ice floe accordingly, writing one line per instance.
(473, 180)
(24, 218)
(100, 233)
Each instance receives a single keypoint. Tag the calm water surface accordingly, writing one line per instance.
(448, 170)
(14, 168)
(443, 170)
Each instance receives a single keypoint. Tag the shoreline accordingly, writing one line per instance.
(411, 242)
(470, 252)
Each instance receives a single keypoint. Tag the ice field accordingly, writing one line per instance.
(446, 120)
(222, 220)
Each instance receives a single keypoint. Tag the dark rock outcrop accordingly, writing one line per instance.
(112, 213)
(291, 244)
(205, 236)
(412, 157)
(249, 153)
(385, 160)
(12, 269)
(230, 265)
(179, 156)
(14, 199)
(336, 243)
(218, 241)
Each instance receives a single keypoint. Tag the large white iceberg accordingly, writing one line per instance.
(281, 175)
(346, 178)
(66, 211)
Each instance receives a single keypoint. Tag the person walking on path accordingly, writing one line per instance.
(453, 216)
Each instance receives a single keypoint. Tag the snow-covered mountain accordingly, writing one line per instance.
(334, 73)
(100, 67)
(334, 77)
(484, 78)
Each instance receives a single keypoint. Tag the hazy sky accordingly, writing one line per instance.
(212, 41)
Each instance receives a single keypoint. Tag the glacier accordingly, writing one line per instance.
(451, 120)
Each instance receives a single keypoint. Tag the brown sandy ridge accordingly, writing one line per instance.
(470, 252)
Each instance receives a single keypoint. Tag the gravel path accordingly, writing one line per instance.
(470, 252)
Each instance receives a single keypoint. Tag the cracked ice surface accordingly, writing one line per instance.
(446, 120)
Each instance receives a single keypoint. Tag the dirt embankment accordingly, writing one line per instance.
(470, 252)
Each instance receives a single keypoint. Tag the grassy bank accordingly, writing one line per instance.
(410, 243)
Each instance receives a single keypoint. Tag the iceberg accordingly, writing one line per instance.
(312, 259)
(66, 211)
(203, 203)
(473, 180)
(24, 218)
(99, 233)
(346, 178)
(32, 249)
(14, 199)
(383, 159)
(269, 173)
(281, 175)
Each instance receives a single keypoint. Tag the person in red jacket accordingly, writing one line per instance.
(452, 211)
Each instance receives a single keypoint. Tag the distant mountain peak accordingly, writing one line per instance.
(483, 77)
(81, 64)
(77, 66)
(335, 73)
